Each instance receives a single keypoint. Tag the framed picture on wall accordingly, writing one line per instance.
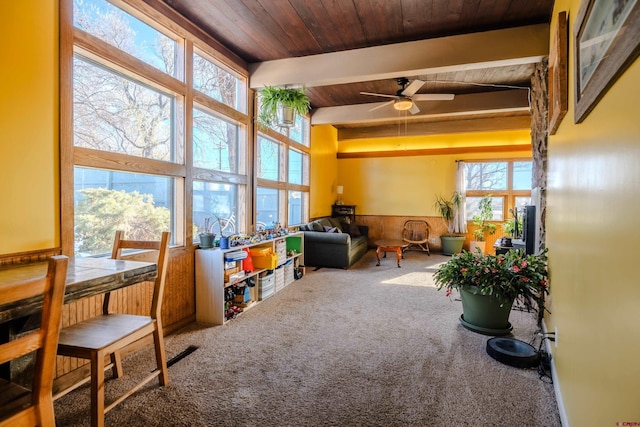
(558, 73)
(607, 41)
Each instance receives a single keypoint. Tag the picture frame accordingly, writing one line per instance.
(558, 73)
(606, 42)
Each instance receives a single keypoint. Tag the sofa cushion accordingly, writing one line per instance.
(332, 230)
(335, 222)
(316, 226)
(352, 229)
(324, 222)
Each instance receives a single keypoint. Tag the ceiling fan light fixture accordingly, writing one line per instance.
(402, 104)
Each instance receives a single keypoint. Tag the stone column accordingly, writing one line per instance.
(539, 137)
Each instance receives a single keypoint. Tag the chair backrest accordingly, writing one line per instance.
(45, 339)
(162, 246)
(417, 230)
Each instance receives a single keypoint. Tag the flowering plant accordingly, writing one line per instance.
(508, 276)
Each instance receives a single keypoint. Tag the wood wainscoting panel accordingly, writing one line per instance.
(390, 227)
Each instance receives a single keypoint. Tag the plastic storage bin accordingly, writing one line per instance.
(281, 250)
(268, 261)
(266, 286)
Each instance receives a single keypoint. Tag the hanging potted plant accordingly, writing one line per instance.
(448, 208)
(482, 224)
(279, 106)
(489, 285)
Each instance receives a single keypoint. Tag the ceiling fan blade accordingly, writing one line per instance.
(384, 104)
(433, 97)
(414, 109)
(413, 87)
(378, 94)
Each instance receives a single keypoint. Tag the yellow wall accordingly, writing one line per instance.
(407, 186)
(592, 234)
(323, 170)
(592, 217)
(29, 165)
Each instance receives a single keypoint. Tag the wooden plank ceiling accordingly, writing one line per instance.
(442, 42)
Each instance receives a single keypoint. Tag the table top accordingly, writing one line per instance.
(390, 243)
(85, 277)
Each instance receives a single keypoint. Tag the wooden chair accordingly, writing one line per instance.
(20, 406)
(107, 334)
(416, 234)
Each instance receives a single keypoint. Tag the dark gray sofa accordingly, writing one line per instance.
(342, 249)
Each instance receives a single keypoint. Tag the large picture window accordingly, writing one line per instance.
(268, 159)
(283, 175)
(123, 31)
(215, 143)
(507, 182)
(107, 201)
(216, 201)
(144, 134)
(115, 113)
(217, 83)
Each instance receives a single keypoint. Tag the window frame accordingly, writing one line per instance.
(76, 41)
(509, 194)
(282, 184)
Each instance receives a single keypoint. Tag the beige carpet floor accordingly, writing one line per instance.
(369, 346)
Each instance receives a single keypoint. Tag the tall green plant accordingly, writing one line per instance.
(447, 208)
(481, 220)
(271, 98)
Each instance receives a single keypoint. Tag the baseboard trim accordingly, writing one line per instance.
(556, 383)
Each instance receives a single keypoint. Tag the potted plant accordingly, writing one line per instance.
(513, 226)
(224, 240)
(205, 235)
(489, 285)
(482, 224)
(447, 208)
(278, 106)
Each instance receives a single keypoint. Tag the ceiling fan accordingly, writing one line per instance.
(405, 97)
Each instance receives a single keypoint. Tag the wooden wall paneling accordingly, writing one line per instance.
(179, 297)
(390, 227)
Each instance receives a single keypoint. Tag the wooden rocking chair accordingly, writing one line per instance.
(416, 235)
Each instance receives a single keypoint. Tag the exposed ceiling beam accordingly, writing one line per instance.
(513, 100)
(516, 121)
(520, 45)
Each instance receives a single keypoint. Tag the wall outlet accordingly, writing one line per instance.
(432, 240)
(555, 343)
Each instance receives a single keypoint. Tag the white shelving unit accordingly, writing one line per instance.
(210, 277)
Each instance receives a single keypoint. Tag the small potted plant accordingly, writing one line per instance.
(489, 285)
(447, 208)
(482, 224)
(205, 235)
(513, 226)
(279, 106)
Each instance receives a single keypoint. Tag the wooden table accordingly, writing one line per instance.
(85, 277)
(385, 246)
